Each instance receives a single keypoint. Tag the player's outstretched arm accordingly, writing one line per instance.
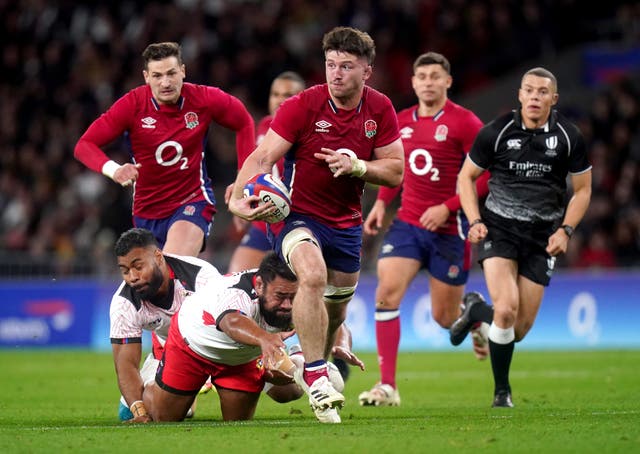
(245, 330)
(126, 358)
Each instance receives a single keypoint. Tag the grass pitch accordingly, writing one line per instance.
(66, 401)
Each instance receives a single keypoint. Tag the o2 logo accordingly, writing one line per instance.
(427, 166)
(177, 149)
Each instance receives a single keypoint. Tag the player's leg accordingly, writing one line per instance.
(299, 245)
(283, 393)
(245, 258)
(531, 294)
(189, 228)
(501, 275)
(445, 301)
(179, 377)
(184, 238)
(237, 405)
(394, 276)
(251, 250)
(309, 313)
(165, 405)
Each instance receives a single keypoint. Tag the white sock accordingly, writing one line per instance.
(501, 335)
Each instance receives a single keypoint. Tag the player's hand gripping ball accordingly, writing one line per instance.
(270, 190)
(283, 363)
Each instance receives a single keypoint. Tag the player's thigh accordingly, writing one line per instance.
(501, 276)
(237, 405)
(184, 238)
(245, 258)
(445, 301)
(395, 274)
(164, 405)
(531, 294)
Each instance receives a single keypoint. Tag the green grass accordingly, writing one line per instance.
(65, 401)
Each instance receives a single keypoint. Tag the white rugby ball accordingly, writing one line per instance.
(270, 190)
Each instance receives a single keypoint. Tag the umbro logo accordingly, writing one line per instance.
(149, 123)
(323, 126)
(406, 132)
(387, 248)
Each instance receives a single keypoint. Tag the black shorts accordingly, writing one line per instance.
(522, 241)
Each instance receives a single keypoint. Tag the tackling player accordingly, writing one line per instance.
(231, 331)
(166, 122)
(336, 136)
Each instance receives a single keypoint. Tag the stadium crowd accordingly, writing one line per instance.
(64, 63)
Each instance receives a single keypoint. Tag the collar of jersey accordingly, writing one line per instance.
(179, 105)
(335, 108)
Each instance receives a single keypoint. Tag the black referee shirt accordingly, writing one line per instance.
(529, 167)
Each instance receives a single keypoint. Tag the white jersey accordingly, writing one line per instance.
(198, 319)
(130, 315)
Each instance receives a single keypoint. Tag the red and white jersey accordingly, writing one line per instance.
(310, 121)
(130, 315)
(168, 141)
(199, 317)
(434, 148)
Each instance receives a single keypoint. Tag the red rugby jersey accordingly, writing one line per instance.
(311, 121)
(169, 142)
(435, 148)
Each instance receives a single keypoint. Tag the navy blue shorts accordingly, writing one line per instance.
(198, 213)
(446, 257)
(340, 247)
(256, 239)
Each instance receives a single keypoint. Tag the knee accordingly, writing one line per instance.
(315, 281)
(285, 393)
(443, 317)
(387, 298)
(504, 317)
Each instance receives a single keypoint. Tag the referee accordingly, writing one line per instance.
(526, 220)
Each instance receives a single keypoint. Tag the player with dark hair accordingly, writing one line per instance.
(430, 229)
(231, 331)
(526, 221)
(336, 136)
(166, 122)
(255, 244)
(154, 287)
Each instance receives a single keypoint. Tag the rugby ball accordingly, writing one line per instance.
(270, 190)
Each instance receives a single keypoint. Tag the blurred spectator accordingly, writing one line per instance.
(64, 63)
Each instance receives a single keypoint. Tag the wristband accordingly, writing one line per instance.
(138, 409)
(109, 168)
(477, 221)
(358, 167)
